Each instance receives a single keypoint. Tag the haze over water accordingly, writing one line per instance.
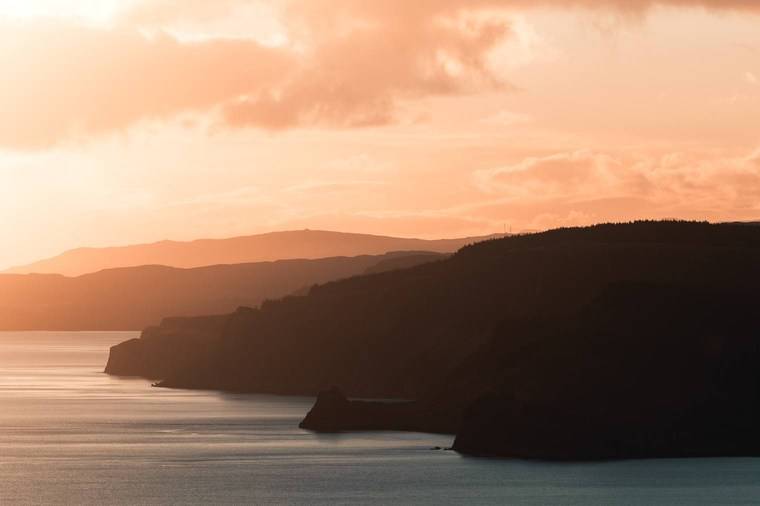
(71, 434)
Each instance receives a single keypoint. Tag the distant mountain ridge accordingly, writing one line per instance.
(286, 245)
(131, 298)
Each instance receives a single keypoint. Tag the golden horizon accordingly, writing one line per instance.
(134, 121)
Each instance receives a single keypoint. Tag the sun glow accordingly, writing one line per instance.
(93, 11)
(127, 121)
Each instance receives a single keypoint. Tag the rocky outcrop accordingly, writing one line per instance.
(334, 412)
(176, 344)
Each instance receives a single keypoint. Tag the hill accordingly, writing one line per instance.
(132, 298)
(607, 341)
(645, 370)
(299, 244)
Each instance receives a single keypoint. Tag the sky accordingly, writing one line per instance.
(130, 121)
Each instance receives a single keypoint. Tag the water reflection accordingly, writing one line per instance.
(71, 434)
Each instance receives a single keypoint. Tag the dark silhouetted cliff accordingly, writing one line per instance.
(177, 343)
(608, 341)
(643, 371)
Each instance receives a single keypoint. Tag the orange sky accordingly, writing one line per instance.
(138, 120)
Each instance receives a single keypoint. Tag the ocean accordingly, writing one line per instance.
(70, 434)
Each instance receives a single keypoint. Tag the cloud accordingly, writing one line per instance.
(714, 185)
(342, 63)
(348, 64)
(159, 12)
(62, 81)
(552, 176)
(165, 11)
(640, 5)
(363, 57)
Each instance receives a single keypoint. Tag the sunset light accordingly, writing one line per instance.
(533, 226)
(536, 116)
(84, 10)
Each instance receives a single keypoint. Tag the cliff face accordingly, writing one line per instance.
(529, 346)
(397, 334)
(175, 344)
(643, 371)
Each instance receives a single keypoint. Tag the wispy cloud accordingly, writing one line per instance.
(348, 65)
(714, 183)
(339, 64)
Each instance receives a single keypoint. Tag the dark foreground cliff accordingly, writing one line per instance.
(615, 341)
(643, 371)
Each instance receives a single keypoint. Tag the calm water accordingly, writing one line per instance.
(70, 434)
